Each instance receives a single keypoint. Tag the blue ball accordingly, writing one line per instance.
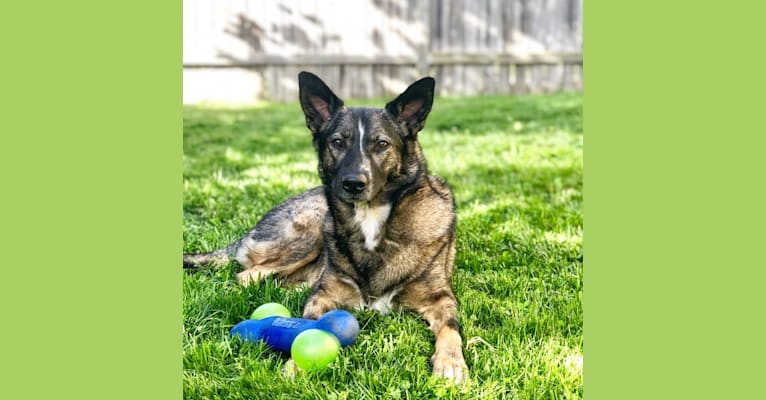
(342, 324)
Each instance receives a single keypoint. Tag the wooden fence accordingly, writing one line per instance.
(247, 50)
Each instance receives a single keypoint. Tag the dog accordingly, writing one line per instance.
(378, 233)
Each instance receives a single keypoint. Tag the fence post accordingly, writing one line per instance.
(424, 50)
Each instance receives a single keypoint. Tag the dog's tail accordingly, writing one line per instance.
(218, 258)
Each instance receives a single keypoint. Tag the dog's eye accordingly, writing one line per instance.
(382, 144)
(337, 143)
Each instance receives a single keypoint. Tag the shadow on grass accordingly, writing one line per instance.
(514, 218)
(522, 114)
(239, 163)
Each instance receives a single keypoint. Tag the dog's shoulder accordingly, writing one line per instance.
(429, 211)
(440, 188)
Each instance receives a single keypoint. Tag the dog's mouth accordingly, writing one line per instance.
(354, 196)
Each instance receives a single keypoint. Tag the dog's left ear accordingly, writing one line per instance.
(413, 106)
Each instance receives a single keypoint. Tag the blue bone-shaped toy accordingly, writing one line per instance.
(279, 332)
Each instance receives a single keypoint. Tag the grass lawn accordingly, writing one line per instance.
(515, 165)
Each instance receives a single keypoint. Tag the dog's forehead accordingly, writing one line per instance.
(368, 117)
(353, 121)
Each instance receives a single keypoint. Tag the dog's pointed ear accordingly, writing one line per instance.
(413, 106)
(319, 103)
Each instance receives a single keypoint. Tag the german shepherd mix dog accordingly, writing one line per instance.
(379, 233)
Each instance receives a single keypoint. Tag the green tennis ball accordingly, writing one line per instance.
(314, 349)
(270, 310)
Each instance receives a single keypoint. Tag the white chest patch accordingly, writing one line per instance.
(370, 220)
(383, 303)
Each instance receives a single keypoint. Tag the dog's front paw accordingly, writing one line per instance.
(450, 364)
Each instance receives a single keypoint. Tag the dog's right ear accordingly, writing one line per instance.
(319, 103)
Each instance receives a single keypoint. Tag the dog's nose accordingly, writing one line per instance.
(354, 183)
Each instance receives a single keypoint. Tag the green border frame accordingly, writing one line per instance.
(91, 158)
(673, 175)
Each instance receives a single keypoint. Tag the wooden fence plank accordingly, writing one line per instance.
(434, 59)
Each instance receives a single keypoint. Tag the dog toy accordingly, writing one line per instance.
(314, 349)
(280, 332)
(270, 310)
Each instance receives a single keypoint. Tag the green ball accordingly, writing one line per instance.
(270, 310)
(314, 349)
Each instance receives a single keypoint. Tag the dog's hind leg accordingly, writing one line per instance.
(286, 259)
(286, 242)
